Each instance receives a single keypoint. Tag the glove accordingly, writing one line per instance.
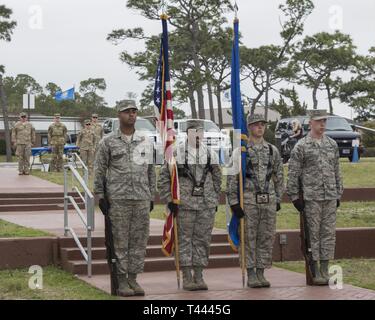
(278, 206)
(338, 203)
(299, 204)
(151, 205)
(173, 208)
(237, 211)
(104, 206)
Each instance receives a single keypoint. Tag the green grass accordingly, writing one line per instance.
(57, 285)
(357, 272)
(355, 175)
(349, 215)
(58, 177)
(3, 158)
(11, 230)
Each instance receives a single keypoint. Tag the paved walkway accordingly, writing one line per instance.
(226, 284)
(11, 182)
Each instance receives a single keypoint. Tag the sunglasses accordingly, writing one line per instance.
(95, 117)
(23, 116)
(88, 124)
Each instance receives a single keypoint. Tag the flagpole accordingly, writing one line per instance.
(164, 16)
(242, 220)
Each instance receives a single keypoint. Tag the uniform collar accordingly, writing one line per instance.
(251, 144)
(310, 140)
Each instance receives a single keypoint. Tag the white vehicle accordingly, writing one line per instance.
(216, 140)
(112, 124)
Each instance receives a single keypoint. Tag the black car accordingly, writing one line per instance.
(338, 128)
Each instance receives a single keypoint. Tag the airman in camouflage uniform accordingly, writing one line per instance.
(86, 142)
(200, 183)
(314, 168)
(23, 137)
(125, 176)
(57, 134)
(263, 190)
(98, 130)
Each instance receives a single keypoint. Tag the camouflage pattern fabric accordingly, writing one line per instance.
(23, 136)
(260, 219)
(86, 142)
(98, 131)
(57, 134)
(130, 227)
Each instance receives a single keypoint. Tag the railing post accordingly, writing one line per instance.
(66, 226)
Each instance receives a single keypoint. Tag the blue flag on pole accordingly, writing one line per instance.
(239, 123)
(65, 95)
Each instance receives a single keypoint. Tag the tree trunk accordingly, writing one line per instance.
(192, 105)
(6, 122)
(211, 101)
(197, 71)
(266, 98)
(219, 108)
(315, 100)
(329, 99)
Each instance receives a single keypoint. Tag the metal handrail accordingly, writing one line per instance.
(87, 218)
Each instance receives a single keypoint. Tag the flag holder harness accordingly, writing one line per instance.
(262, 197)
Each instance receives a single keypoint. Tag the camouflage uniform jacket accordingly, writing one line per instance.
(98, 131)
(259, 155)
(23, 133)
(57, 134)
(317, 167)
(126, 168)
(86, 139)
(211, 186)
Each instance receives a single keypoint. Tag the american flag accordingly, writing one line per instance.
(163, 103)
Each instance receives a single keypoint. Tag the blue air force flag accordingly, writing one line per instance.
(65, 95)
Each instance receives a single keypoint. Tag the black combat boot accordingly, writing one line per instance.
(123, 289)
(318, 280)
(324, 270)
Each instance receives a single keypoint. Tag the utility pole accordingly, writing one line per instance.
(6, 122)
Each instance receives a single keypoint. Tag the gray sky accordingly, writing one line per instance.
(63, 41)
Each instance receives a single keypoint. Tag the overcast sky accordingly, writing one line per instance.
(63, 41)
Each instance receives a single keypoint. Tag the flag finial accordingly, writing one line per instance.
(235, 10)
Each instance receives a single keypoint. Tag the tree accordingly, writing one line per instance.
(268, 65)
(89, 96)
(319, 58)
(6, 30)
(191, 20)
(359, 92)
(52, 88)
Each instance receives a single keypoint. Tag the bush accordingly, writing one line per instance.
(369, 152)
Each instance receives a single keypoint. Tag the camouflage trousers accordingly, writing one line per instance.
(260, 230)
(321, 223)
(194, 236)
(130, 221)
(87, 157)
(57, 157)
(23, 153)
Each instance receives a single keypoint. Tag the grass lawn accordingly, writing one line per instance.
(11, 230)
(356, 175)
(3, 158)
(357, 272)
(57, 285)
(350, 214)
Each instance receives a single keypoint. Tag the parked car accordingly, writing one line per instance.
(338, 128)
(112, 124)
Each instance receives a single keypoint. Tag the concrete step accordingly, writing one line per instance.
(36, 207)
(153, 251)
(68, 242)
(151, 264)
(27, 195)
(36, 200)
